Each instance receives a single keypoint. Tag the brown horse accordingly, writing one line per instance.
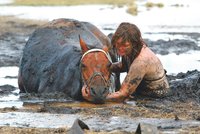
(56, 60)
(95, 64)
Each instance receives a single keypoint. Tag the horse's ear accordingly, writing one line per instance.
(83, 45)
(105, 48)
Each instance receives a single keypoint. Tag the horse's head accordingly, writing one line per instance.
(95, 69)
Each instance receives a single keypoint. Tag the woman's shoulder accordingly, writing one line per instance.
(147, 54)
(148, 59)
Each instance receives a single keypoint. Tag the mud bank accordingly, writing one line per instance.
(13, 36)
(55, 113)
(177, 46)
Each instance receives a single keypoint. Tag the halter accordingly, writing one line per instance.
(97, 50)
(87, 82)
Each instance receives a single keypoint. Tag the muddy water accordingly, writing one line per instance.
(107, 117)
(96, 123)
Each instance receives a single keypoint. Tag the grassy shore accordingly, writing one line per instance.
(71, 2)
(11, 24)
(132, 7)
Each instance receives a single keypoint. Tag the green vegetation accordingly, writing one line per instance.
(70, 2)
(132, 7)
(150, 5)
(178, 5)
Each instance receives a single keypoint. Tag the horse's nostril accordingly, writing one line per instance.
(105, 90)
(93, 91)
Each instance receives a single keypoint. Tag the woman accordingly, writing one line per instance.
(145, 72)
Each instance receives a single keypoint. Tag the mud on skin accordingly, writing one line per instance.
(183, 104)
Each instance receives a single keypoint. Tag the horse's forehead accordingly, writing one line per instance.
(96, 57)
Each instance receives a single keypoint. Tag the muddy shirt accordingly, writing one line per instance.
(154, 88)
(151, 87)
(145, 74)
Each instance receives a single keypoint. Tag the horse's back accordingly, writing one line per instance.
(51, 57)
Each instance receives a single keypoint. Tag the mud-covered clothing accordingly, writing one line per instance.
(158, 87)
(154, 88)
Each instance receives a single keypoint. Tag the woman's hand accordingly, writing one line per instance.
(118, 96)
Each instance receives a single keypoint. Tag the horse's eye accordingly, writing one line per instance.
(83, 65)
(109, 64)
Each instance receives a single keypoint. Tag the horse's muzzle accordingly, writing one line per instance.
(98, 94)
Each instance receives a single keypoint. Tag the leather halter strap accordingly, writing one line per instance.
(97, 50)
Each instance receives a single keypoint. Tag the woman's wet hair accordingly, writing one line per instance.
(131, 33)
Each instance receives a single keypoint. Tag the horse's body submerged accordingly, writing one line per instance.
(51, 57)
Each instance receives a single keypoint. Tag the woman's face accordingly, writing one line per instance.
(123, 48)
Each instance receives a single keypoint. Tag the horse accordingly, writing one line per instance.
(68, 56)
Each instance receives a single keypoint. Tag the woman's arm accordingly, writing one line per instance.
(118, 67)
(130, 83)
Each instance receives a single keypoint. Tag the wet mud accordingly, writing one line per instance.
(13, 36)
(56, 113)
(177, 46)
(6, 90)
